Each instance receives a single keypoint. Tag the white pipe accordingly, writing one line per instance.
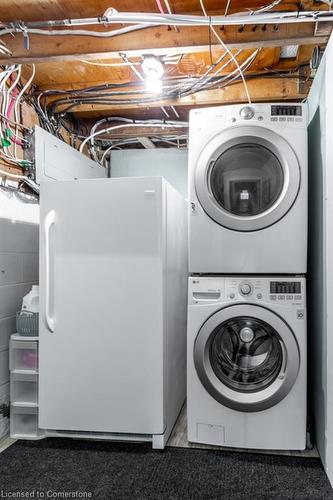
(190, 20)
(142, 21)
(100, 34)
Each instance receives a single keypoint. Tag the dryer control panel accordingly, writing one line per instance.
(279, 114)
(288, 291)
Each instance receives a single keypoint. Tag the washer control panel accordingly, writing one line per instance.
(284, 291)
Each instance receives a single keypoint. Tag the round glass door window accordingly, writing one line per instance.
(245, 354)
(246, 179)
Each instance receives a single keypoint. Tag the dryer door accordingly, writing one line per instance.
(246, 357)
(247, 178)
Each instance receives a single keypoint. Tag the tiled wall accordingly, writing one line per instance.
(18, 271)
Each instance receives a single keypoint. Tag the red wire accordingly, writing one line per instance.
(160, 6)
(9, 112)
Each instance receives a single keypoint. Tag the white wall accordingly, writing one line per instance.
(18, 271)
(320, 276)
(169, 163)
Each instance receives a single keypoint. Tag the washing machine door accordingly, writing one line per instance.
(247, 178)
(246, 357)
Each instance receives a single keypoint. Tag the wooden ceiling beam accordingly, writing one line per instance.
(159, 41)
(140, 132)
(260, 89)
(77, 75)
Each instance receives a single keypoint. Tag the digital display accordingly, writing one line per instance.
(285, 287)
(286, 110)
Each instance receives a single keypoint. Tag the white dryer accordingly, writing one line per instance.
(246, 372)
(248, 189)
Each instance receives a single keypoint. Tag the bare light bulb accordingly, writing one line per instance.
(153, 84)
(151, 65)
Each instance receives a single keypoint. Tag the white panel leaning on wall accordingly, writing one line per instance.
(18, 272)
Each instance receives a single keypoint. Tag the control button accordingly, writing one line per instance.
(298, 297)
(272, 297)
(281, 297)
(289, 297)
(245, 289)
(246, 113)
(233, 119)
(259, 295)
(260, 118)
(232, 295)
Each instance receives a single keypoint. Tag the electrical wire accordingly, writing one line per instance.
(266, 7)
(244, 66)
(136, 141)
(113, 65)
(170, 12)
(152, 123)
(17, 105)
(14, 176)
(97, 34)
(98, 124)
(206, 77)
(11, 92)
(226, 10)
(19, 125)
(159, 6)
(217, 36)
(140, 21)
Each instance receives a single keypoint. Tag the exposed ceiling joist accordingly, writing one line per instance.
(261, 90)
(142, 133)
(83, 73)
(146, 142)
(160, 41)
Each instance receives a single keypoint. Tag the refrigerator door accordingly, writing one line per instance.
(101, 325)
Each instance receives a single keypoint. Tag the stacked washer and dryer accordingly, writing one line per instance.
(246, 375)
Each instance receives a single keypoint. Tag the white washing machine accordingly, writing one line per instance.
(248, 189)
(246, 373)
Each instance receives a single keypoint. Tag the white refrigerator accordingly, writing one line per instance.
(113, 285)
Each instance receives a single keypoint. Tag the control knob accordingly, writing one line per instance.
(245, 288)
(246, 113)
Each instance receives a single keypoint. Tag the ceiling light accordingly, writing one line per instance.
(153, 84)
(153, 70)
(152, 67)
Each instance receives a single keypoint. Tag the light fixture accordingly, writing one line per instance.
(153, 70)
(153, 85)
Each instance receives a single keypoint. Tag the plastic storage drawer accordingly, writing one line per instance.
(24, 423)
(23, 356)
(24, 389)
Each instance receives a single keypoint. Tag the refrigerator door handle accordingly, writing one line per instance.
(49, 221)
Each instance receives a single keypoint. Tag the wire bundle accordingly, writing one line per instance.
(12, 92)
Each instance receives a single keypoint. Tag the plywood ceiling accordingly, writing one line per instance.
(78, 62)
